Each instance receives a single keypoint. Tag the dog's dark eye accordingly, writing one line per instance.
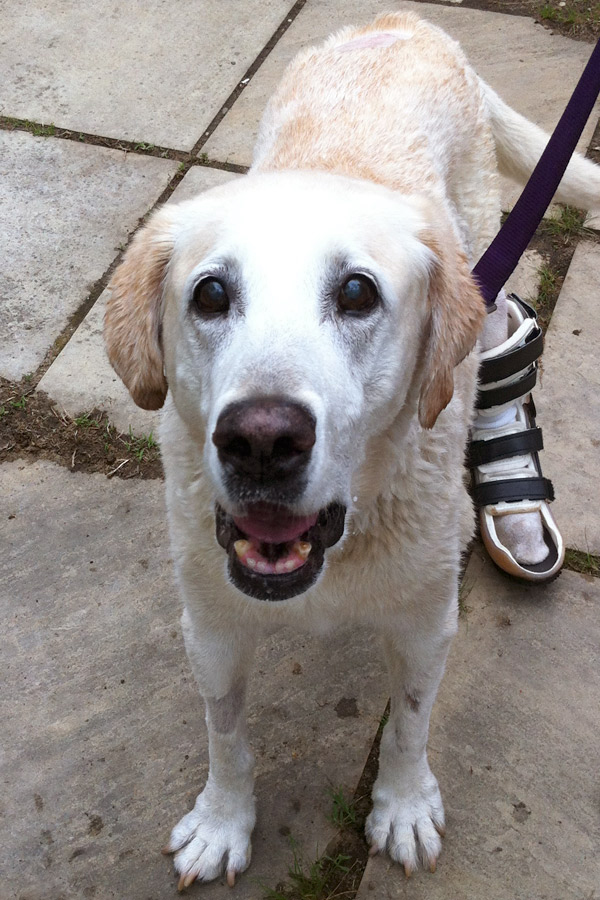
(210, 297)
(357, 295)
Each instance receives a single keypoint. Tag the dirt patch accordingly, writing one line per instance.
(32, 426)
(577, 19)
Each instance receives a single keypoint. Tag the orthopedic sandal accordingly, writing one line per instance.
(503, 452)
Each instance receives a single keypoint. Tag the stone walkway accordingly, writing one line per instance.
(103, 740)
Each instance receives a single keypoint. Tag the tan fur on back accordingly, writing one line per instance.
(374, 129)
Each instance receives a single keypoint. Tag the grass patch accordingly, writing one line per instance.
(39, 129)
(86, 421)
(343, 811)
(546, 289)
(550, 283)
(578, 17)
(139, 445)
(567, 224)
(338, 873)
(583, 562)
(324, 879)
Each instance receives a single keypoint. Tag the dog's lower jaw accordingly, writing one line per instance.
(276, 586)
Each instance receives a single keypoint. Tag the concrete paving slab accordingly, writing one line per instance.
(199, 179)
(81, 377)
(514, 744)
(64, 209)
(153, 71)
(104, 745)
(568, 402)
(525, 280)
(592, 220)
(533, 70)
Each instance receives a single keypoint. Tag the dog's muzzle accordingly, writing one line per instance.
(264, 446)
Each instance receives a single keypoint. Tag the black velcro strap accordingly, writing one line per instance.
(497, 396)
(481, 452)
(513, 490)
(510, 363)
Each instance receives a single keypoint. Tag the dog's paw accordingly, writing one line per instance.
(408, 827)
(212, 838)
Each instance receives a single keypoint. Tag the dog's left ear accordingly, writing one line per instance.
(132, 323)
(456, 315)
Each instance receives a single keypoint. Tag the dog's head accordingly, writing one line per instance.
(293, 316)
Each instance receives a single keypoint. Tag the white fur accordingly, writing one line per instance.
(427, 139)
(403, 486)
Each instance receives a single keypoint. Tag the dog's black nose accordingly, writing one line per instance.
(266, 439)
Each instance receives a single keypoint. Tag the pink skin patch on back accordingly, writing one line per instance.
(375, 39)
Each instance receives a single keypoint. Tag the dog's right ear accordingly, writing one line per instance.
(456, 317)
(133, 319)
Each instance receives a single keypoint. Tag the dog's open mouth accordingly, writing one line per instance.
(274, 554)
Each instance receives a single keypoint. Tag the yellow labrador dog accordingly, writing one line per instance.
(313, 323)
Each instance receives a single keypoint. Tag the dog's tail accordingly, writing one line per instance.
(519, 145)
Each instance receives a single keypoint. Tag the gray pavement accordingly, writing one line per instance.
(65, 208)
(154, 72)
(103, 743)
(104, 740)
(569, 401)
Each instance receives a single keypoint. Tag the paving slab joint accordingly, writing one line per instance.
(82, 310)
(338, 872)
(139, 148)
(582, 561)
(40, 129)
(249, 74)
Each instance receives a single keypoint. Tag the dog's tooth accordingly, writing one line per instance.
(251, 563)
(262, 567)
(280, 568)
(289, 565)
(241, 548)
(302, 548)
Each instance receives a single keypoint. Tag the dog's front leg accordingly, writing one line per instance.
(408, 816)
(215, 835)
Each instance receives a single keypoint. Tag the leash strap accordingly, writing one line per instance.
(501, 258)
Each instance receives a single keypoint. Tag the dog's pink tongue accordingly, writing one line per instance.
(273, 525)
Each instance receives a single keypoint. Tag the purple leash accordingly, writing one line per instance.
(501, 258)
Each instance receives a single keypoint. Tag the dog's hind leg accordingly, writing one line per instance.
(215, 836)
(407, 819)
